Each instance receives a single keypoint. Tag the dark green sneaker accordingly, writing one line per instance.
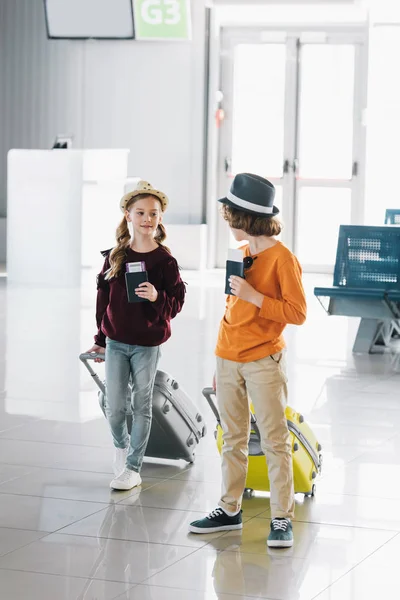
(217, 520)
(281, 535)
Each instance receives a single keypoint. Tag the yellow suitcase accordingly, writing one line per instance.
(307, 457)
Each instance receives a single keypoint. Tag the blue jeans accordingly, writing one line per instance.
(138, 364)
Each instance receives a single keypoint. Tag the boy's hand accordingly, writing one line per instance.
(243, 290)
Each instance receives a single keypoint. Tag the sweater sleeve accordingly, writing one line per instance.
(170, 300)
(292, 307)
(103, 294)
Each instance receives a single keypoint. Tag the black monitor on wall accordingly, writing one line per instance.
(89, 19)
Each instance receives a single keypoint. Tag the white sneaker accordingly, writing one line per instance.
(120, 460)
(126, 480)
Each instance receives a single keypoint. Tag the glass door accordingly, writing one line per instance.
(258, 115)
(327, 168)
(253, 136)
(293, 105)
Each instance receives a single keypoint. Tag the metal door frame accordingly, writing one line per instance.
(293, 37)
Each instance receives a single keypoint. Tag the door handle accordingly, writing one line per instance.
(227, 164)
(287, 165)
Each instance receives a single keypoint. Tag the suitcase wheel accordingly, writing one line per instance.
(249, 493)
(312, 493)
(320, 458)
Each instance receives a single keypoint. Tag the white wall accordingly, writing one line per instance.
(3, 241)
(148, 97)
(383, 117)
(2, 90)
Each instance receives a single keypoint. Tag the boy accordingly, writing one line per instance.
(251, 358)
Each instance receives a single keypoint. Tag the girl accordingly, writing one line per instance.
(130, 334)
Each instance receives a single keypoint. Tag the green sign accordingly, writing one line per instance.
(162, 19)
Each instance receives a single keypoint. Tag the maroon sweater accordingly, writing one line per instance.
(142, 323)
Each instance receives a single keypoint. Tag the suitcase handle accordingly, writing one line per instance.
(85, 357)
(208, 394)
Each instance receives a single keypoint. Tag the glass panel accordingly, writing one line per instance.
(320, 212)
(326, 111)
(278, 202)
(258, 109)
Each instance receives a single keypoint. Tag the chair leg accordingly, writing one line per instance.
(383, 335)
(395, 328)
(372, 335)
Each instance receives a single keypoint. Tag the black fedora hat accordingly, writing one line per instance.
(252, 194)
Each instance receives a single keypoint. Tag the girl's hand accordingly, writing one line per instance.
(242, 289)
(97, 350)
(147, 291)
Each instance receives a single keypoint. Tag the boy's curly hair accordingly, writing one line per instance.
(251, 224)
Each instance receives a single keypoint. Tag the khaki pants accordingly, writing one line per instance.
(264, 382)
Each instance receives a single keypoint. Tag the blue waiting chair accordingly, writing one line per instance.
(366, 283)
(392, 216)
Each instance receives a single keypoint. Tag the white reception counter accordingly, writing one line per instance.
(63, 208)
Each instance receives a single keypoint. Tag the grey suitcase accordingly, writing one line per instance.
(177, 425)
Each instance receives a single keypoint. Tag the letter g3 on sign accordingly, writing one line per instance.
(162, 19)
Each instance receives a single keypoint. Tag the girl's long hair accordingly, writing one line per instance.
(117, 255)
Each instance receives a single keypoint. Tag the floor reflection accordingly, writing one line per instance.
(64, 534)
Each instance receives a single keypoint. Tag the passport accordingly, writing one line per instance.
(234, 266)
(133, 280)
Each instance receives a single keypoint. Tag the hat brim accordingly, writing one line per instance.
(130, 195)
(275, 209)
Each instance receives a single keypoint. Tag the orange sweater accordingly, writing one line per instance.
(249, 333)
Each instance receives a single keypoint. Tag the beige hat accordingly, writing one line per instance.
(144, 187)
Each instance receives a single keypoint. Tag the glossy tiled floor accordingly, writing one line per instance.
(65, 536)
